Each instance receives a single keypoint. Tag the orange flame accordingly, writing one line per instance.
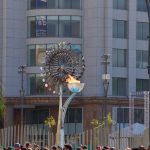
(71, 79)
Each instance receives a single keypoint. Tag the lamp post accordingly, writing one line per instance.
(74, 88)
(148, 10)
(21, 70)
(105, 78)
(63, 67)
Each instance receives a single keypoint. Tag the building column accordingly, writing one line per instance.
(132, 46)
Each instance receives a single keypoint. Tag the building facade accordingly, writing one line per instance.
(94, 28)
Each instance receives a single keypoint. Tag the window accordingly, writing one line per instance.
(76, 48)
(119, 86)
(36, 116)
(76, 4)
(54, 26)
(41, 26)
(64, 4)
(141, 5)
(36, 53)
(64, 26)
(31, 27)
(76, 26)
(73, 121)
(141, 84)
(51, 4)
(36, 86)
(141, 59)
(142, 30)
(120, 4)
(121, 116)
(119, 29)
(119, 58)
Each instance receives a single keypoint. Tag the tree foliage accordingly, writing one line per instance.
(109, 119)
(97, 124)
(2, 105)
(50, 121)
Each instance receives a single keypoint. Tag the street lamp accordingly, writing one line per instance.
(148, 10)
(105, 78)
(63, 67)
(21, 70)
(74, 88)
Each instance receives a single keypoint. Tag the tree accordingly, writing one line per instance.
(2, 105)
(97, 124)
(50, 121)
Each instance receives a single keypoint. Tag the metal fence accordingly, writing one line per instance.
(42, 136)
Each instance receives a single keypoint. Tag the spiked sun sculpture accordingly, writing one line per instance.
(63, 67)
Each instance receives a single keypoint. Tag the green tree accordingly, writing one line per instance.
(97, 124)
(50, 121)
(2, 105)
(109, 119)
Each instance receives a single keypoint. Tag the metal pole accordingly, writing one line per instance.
(105, 81)
(21, 70)
(61, 117)
(148, 10)
(58, 134)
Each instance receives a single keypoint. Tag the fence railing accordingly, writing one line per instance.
(42, 136)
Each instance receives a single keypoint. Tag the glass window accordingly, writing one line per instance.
(142, 30)
(141, 59)
(49, 46)
(141, 84)
(119, 29)
(119, 86)
(76, 4)
(36, 116)
(76, 48)
(36, 85)
(120, 4)
(141, 5)
(139, 115)
(76, 26)
(36, 55)
(31, 55)
(64, 26)
(64, 4)
(40, 54)
(123, 115)
(119, 58)
(41, 4)
(31, 4)
(41, 26)
(32, 82)
(31, 27)
(73, 121)
(52, 4)
(52, 26)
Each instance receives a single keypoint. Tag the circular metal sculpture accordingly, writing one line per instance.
(62, 61)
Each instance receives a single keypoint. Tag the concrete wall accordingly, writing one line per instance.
(1, 38)
(14, 44)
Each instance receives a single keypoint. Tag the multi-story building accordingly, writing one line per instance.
(93, 27)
